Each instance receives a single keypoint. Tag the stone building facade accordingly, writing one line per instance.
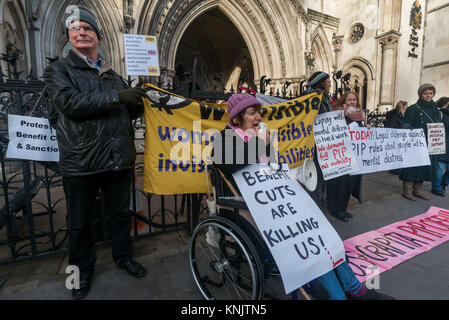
(390, 47)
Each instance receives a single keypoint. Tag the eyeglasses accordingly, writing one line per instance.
(78, 28)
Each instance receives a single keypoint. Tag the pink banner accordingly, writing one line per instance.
(391, 245)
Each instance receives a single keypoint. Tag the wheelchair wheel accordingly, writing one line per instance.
(224, 262)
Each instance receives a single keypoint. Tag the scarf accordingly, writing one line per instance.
(424, 104)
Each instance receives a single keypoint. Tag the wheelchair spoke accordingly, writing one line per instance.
(206, 245)
(236, 287)
(224, 262)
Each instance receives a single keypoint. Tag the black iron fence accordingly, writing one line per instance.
(32, 203)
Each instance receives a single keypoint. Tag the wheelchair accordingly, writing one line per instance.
(229, 259)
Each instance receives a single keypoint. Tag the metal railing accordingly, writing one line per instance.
(33, 219)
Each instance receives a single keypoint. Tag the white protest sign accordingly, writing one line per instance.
(31, 139)
(436, 138)
(300, 238)
(333, 145)
(142, 57)
(380, 149)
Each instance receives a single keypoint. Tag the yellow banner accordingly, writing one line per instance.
(181, 129)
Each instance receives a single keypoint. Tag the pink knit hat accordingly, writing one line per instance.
(239, 102)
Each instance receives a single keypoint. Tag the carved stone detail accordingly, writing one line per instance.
(357, 32)
(389, 41)
(337, 42)
(310, 60)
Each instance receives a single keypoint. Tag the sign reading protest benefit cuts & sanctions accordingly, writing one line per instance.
(31, 139)
(436, 138)
(141, 55)
(300, 238)
(333, 145)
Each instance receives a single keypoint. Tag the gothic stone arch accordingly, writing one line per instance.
(362, 71)
(322, 51)
(256, 21)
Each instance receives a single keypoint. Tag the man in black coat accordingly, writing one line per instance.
(94, 130)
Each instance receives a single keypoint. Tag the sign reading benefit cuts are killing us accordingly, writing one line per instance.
(31, 139)
(301, 240)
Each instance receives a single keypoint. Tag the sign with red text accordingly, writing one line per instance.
(142, 57)
(389, 246)
(381, 149)
(302, 241)
(333, 145)
(436, 137)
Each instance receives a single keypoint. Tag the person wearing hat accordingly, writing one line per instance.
(95, 109)
(417, 116)
(320, 81)
(244, 130)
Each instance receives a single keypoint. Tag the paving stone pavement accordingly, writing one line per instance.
(165, 257)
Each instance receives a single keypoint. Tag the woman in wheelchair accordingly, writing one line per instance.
(232, 150)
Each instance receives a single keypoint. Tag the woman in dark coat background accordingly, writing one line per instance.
(417, 116)
(395, 117)
(442, 172)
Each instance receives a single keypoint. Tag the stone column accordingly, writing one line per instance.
(337, 42)
(389, 44)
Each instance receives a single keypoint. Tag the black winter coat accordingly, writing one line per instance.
(94, 131)
(240, 158)
(394, 119)
(417, 116)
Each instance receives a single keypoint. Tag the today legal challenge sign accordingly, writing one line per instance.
(381, 149)
(300, 238)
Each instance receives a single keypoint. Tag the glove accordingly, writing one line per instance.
(132, 95)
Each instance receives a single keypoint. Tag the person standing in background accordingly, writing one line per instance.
(418, 116)
(395, 118)
(340, 189)
(320, 81)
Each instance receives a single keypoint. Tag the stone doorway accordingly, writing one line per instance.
(359, 84)
(213, 52)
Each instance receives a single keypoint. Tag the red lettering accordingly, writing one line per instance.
(414, 227)
(437, 221)
(444, 213)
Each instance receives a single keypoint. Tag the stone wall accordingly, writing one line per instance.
(287, 40)
(436, 47)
